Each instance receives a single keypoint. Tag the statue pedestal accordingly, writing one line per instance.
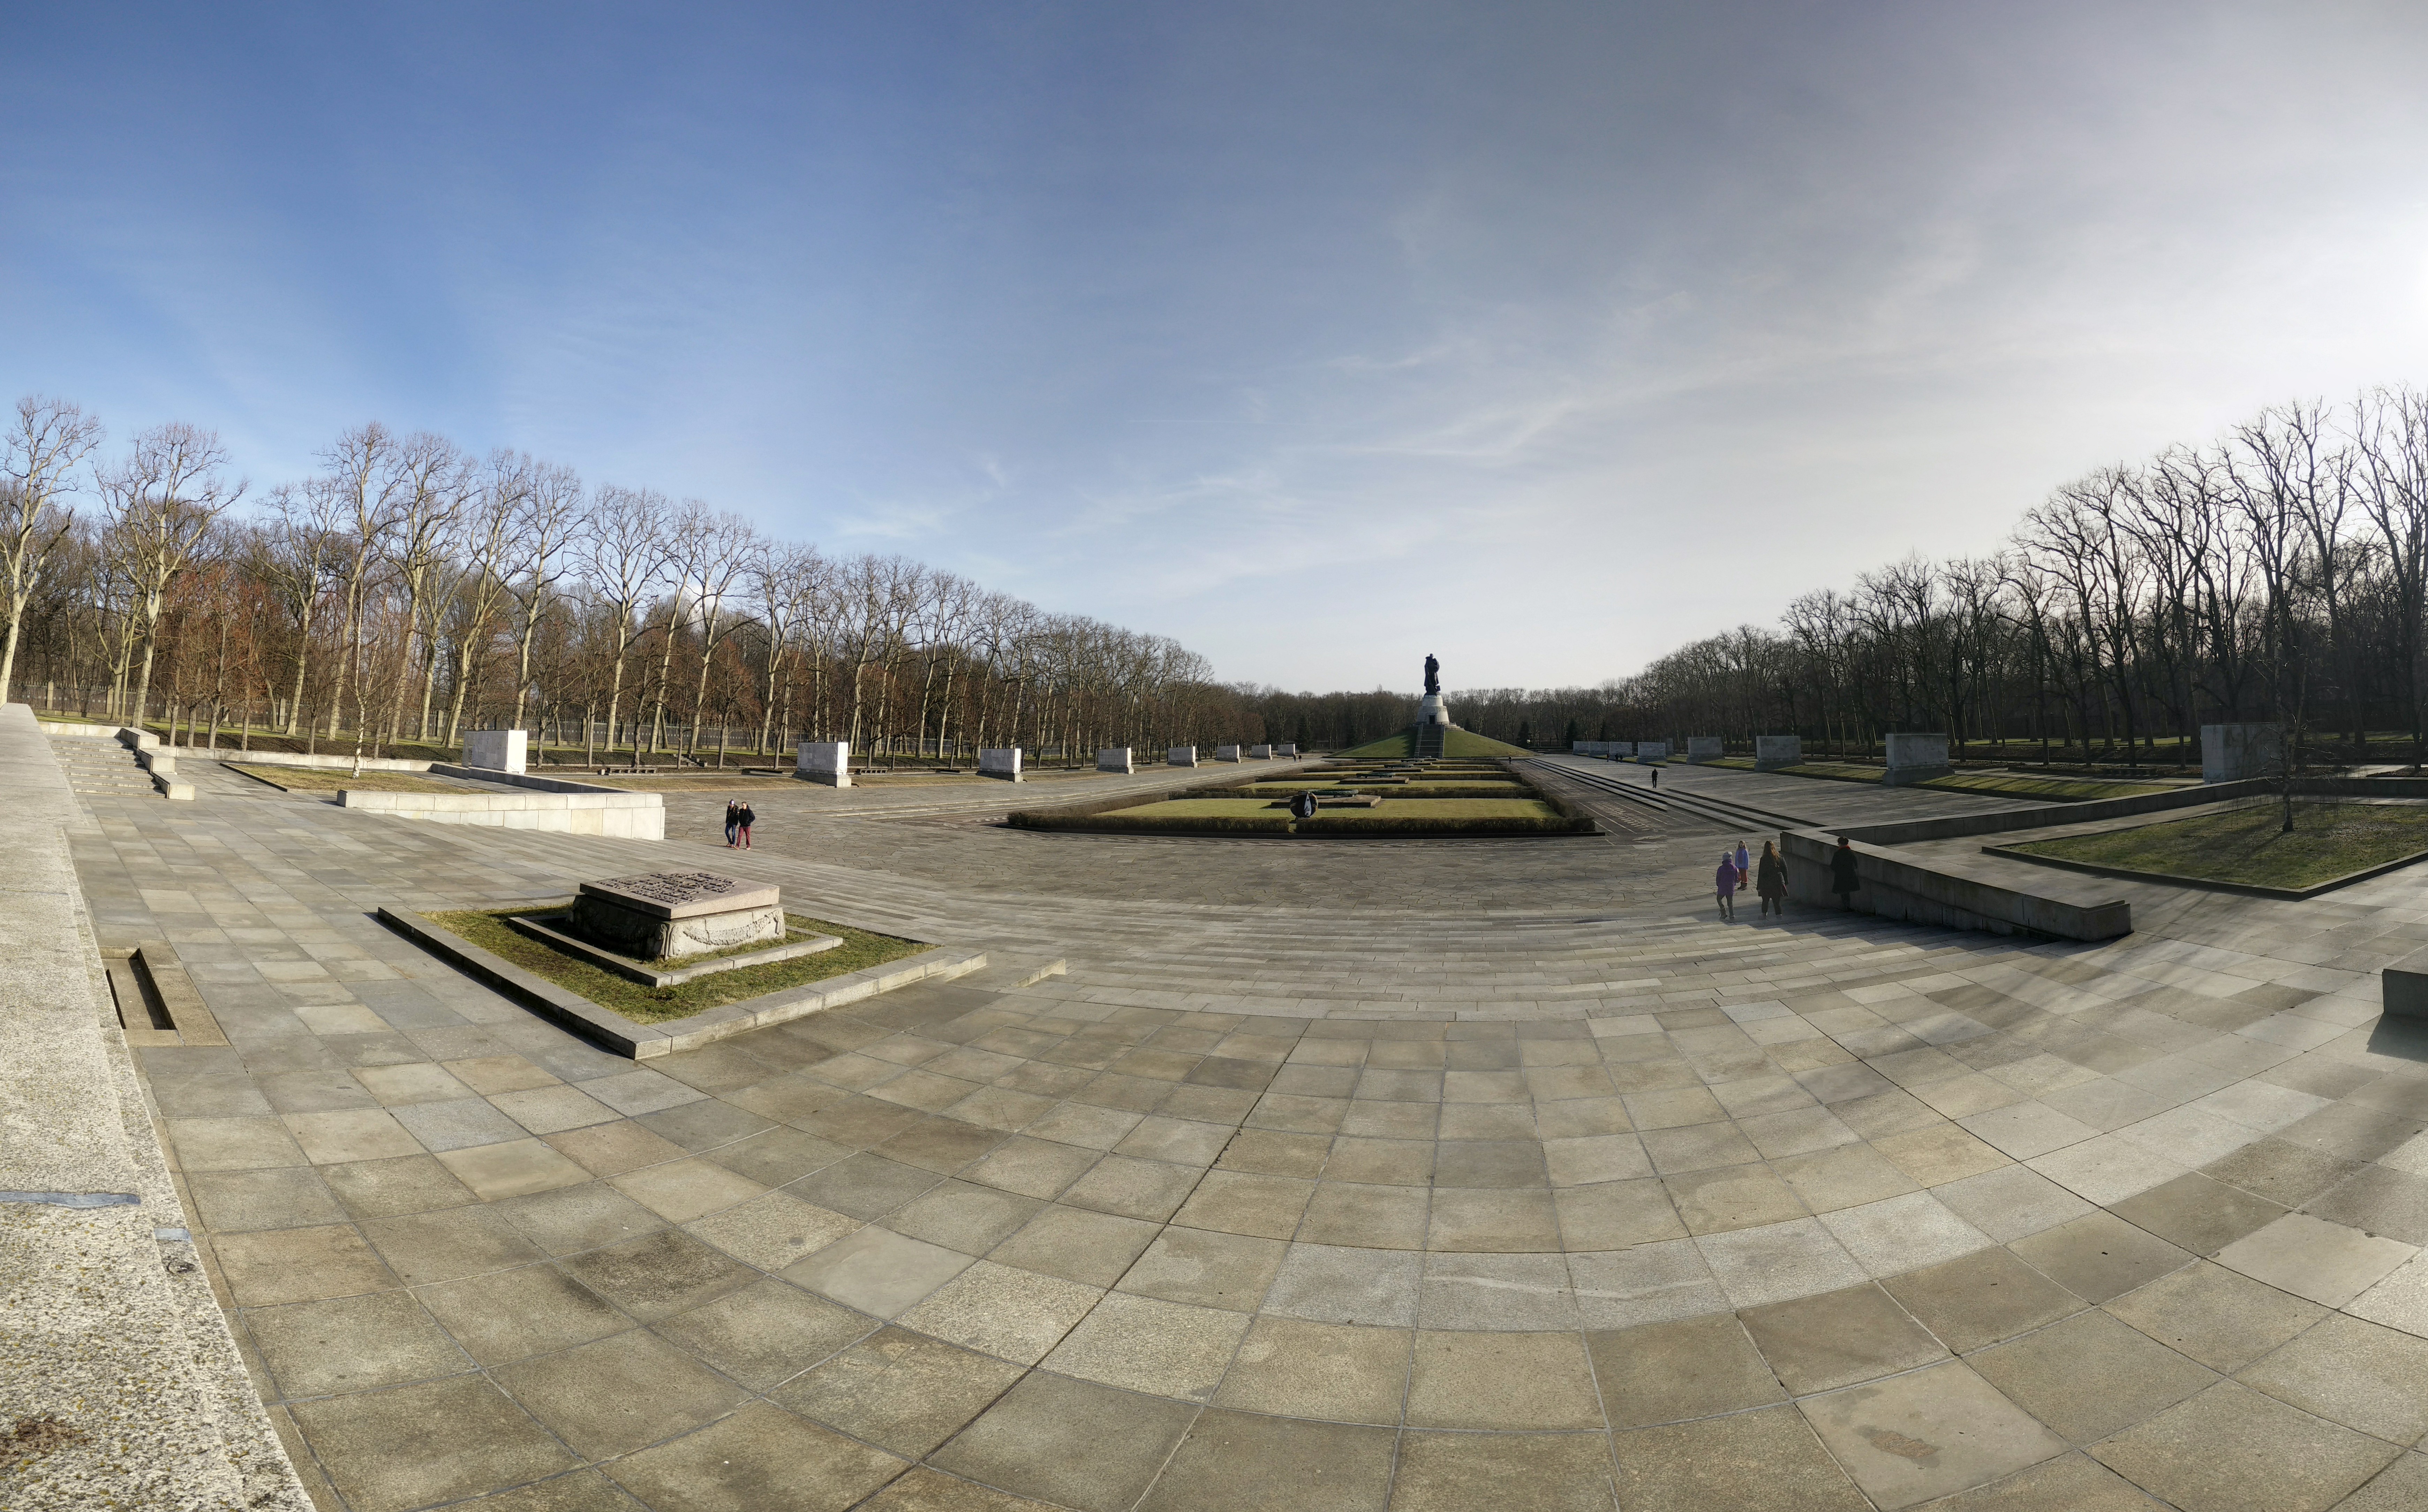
(1432, 711)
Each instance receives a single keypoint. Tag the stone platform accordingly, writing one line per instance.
(669, 915)
(1476, 1179)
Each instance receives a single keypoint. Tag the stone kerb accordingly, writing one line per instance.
(1114, 758)
(500, 750)
(1180, 756)
(824, 760)
(320, 763)
(1915, 759)
(1000, 761)
(2235, 753)
(1226, 753)
(1771, 753)
(1701, 748)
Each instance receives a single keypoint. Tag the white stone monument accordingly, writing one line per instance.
(1916, 759)
(497, 750)
(1432, 711)
(1113, 758)
(824, 760)
(1705, 747)
(2230, 753)
(1771, 753)
(1003, 761)
(1651, 750)
(1226, 753)
(1261, 753)
(1180, 756)
(661, 915)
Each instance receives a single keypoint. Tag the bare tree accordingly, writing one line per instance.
(159, 503)
(48, 439)
(547, 513)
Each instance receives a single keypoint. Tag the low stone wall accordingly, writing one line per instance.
(593, 812)
(1895, 888)
(109, 1323)
(294, 757)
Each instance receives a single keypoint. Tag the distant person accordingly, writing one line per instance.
(733, 823)
(743, 820)
(1843, 879)
(1656, 776)
(1724, 882)
(1745, 867)
(1770, 881)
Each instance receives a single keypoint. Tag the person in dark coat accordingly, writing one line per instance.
(743, 820)
(1724, 882)
(1843, 879)
(1770, 880)
(732, 807)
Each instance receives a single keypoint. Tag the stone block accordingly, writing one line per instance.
(1226, 753)
(999, 761)
(1916, 759)
(1771, 753)
(2231, 753)
(2403, 987)
(1288, 752)
(824, 760)
(1705, 747)
(1180, 756)
(498, 751)
(1618, 750)
(663, 915)
(1113, 758)
(1261, 753)
(1651, 750)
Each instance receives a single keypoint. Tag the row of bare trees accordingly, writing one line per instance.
(411, 590)
(2274, 573)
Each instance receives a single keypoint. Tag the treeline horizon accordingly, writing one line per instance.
(412, 590)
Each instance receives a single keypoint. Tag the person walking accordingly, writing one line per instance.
(731, 808)
(1656, 776)
(1770, 881)
(1723, 881)
(743, 820)
(1843, 879)
(1745, 865)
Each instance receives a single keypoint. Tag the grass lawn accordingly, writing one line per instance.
(1390, 808)
(2062, 788)
(326, 779)
(2248, 845)
(858, 952)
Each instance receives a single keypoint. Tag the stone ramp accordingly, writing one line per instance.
(109, 1333)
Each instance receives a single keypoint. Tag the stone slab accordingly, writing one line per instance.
(1114, 758)
(2236, 753)
(501, 750)
(1915, 757)
(824, 760)
(1000, 761)
(1701, 748)
(1180, 756)
(1771, 753)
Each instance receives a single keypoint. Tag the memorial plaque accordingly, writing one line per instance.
(662, 915)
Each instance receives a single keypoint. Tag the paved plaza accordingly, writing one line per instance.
(1410, 1174)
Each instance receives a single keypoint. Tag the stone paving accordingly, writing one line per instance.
(1375, 1175)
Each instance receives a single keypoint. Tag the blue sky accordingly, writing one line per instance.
(1543, 336)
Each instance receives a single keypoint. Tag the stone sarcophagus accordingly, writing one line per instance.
(664, 915)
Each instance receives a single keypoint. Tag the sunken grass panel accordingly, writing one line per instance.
(2248, 846)
(860, 950)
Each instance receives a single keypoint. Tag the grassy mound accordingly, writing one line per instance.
(1458, 745)
(858, 952)
(2248, 845)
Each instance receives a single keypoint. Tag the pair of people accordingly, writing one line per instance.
(738, 820)
(1769, 882)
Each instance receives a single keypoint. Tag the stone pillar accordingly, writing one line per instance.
(1771, 753)
(1180, 756)
(1705, 747)
(1113, 758)
(1226, 753)
(497, 750)
(1003, 763)
(2230, 753)
(1916, 759)
(824, 760)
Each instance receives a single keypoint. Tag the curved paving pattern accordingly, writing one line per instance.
(1415, 1175)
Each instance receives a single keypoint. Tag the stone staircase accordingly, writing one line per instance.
(101, 768)
(1429, 741)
